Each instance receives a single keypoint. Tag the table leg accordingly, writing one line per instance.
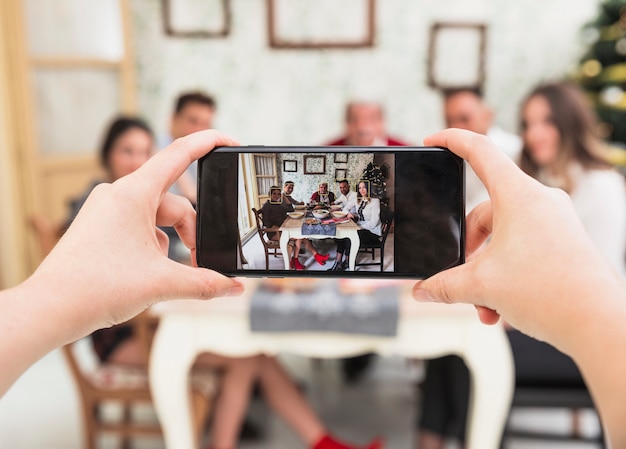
(355, 243)
(490, 362)
(170, 362)
(284, 246)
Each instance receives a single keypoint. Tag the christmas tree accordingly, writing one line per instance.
(602, 72)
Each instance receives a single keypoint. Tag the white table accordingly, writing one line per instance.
(188, 328)
(292, 229)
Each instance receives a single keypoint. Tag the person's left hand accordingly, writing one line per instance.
(112, 262)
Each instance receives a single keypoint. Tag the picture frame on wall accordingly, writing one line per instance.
(340, 174)
(315, 165)
(457, 55)
(290, 166)
(321, 24)
(192, 19)
(340, 158)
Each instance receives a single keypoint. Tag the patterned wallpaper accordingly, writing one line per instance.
(294, 97)
(306, 184)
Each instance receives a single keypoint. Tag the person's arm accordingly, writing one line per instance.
(541, 272)
(111, 263)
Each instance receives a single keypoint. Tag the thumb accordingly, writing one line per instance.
(455, 285)
(183, 281)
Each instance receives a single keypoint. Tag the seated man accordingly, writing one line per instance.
(287, 191)
(274, 213)
(323, 195)
(348, 198)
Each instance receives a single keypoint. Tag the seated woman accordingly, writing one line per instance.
(274, 213)
(127, 145)
(366, 213)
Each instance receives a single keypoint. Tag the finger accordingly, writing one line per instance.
(178, 212)
(164, 168)
(454, 285)
(478, 227)
(491, 165)
(182, 281)
(487, 315)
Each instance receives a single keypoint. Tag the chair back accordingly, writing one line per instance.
(386, 217)
(260, 227)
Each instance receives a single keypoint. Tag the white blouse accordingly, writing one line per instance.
(599, 198)
(371, 213)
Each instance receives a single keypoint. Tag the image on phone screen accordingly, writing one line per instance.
(330, 211)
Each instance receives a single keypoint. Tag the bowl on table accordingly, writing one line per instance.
(295, 214)
(339, 214)
(300, 207)
(335, 207)
(320, 213)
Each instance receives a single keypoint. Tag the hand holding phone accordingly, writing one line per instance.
(406, 205)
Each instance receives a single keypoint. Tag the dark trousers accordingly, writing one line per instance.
(343, 245)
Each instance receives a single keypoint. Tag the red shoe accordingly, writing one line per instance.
(321, 259)
(328, 442)
(295, 263)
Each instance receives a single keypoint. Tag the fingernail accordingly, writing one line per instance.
(423, 295)
(236, 290)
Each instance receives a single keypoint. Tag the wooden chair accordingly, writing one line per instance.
(128, 387)
(370, 248)
(269, 245)
(556, 398)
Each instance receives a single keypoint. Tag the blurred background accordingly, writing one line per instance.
(281, 71)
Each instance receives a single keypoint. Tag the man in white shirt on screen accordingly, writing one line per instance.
(347, 197)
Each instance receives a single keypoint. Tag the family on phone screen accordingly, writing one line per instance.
(359, 207)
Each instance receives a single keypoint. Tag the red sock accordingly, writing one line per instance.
(328, 442)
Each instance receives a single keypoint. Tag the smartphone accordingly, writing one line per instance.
(395, 212)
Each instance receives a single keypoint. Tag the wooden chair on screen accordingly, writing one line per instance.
(269, 246)
(370, 248)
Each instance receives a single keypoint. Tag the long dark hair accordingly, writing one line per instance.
(119, 126)
(576, 123)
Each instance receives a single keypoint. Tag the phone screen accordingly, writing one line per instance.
(391, 211)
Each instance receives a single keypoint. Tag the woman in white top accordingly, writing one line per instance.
(366, 213)
(561, 150)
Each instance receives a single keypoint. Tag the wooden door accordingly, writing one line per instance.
(67, 70)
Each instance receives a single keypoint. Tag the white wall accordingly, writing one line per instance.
(271, 96)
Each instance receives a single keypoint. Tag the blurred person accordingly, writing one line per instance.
(465, 108)
(193, 111)
(365, 126)
(560, 149)
(288, 187)
(118, 222)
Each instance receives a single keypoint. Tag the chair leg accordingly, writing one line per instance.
(126, 419)
(267, 260)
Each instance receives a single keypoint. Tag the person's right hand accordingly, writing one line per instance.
(540, 271)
